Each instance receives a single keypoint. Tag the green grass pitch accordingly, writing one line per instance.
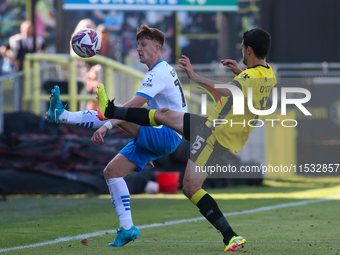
(312, 228)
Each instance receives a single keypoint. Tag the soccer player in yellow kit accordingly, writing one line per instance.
(208, 140)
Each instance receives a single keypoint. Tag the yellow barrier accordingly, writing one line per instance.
(281, 145)
(33, 93)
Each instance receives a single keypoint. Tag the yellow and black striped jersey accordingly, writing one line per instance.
(234, 132)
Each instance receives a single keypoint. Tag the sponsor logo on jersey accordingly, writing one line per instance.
(147, 84)
(148, 81)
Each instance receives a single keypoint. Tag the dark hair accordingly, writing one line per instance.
(145, 32)
(259, 40)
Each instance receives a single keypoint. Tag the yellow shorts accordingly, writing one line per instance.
(204, 148)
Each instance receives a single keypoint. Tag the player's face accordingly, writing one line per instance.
(147, 50)
(244, 55)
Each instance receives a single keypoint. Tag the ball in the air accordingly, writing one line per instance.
(86, 43)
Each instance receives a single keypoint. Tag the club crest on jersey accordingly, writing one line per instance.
(245, 76)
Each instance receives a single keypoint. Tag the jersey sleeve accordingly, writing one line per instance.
(153, 83)
(242, 81)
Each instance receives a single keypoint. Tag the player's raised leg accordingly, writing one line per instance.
(140, 116)
(58, 114)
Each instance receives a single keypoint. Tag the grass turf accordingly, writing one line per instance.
(306, 229)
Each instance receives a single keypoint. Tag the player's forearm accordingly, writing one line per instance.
(115, 122)
(207, 83)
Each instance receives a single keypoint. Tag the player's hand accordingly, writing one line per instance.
(151, 164)
(187, 67)
(98, 136)
(232, 64)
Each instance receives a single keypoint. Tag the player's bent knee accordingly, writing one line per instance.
(161, 115)
(107, 174)
(110, 172)
(164, 111)
(189, 190)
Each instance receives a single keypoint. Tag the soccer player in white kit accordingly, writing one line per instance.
(160, 88)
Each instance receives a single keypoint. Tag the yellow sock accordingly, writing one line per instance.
(197, 196)
(152, 117)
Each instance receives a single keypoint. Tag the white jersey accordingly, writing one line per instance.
(163, 88)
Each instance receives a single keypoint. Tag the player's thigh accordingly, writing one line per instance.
(171, 119)
(204, 147)
(119, 166)
(130, 128)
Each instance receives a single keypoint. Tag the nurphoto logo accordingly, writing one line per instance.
(238, 105)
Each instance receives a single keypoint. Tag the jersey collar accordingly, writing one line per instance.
(266, 66)
(160, 61)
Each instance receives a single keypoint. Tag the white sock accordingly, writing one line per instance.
(86, 119)
(120, 197)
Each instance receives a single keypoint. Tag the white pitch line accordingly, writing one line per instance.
(209, 241)
(99, 233)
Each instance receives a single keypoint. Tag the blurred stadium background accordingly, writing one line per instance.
(304, 53)
(41, 158)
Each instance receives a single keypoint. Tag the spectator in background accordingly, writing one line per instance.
(21, 44)
(92, 82)
(167, 52)
(114, 21)
(6, 65)
(44, 17)
(107, 48)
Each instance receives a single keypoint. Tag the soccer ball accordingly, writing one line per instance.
(86, 43)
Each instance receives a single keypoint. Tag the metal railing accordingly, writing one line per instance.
(32, 82)
(10, 97)
(25, 90)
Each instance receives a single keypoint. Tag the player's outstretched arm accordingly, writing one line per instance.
(202, 81)
(187, 67)
(232, 64)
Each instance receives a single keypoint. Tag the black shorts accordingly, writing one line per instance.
(204, 148)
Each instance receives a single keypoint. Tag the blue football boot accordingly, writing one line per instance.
(124, 236)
